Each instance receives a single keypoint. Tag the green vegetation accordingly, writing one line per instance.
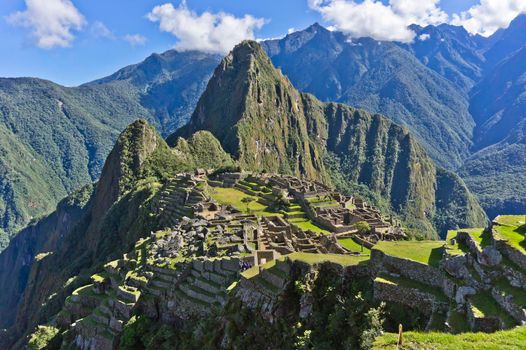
(306, 224)
(513, 229)
(234, 197)
(479, 235)
(363, 227)
(426, 252)
(458, 322)
(513, 339)
(484, 305)
(43, 337)
(353, 246)
(344, 260)
(518, 294)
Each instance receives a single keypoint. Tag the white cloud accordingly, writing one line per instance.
(424, 37)
(489, 15)
(135, 39)
(212, 32)
(372, 18)
(99, 30)
(291, 30)
(51, 21)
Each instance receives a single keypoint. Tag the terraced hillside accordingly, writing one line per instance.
(232, 248)
(267, 125)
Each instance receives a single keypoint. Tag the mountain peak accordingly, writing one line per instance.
(256, 114)
(124, 163)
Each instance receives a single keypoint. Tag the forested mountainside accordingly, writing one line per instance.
(55, 139)
(48, 259)
(424, 86)
(469, 65)
(266, 124)
(380, 77)
(451, 52)
(497, 171)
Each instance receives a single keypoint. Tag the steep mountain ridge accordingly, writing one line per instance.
(258, 116)
(381, 77)
(55, 139)
(506, 41)
(451, 52)
(267, 125)
(92, 226)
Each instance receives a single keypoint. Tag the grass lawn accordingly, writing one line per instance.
(512, 229)
(306, 224)
(350, 244)
(514, 339)
(233, 197)
(253, 271)
(458, 322)
(345, 260)
(479, 236)
(426, 252)
(518, 294)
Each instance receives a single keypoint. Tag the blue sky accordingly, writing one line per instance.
(106, 35)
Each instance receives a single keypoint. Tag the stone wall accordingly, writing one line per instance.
(408, 268)
(414, 298)
(506, 301)
(482, 324)
(512, 253)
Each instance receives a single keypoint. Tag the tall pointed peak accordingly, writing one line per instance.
(224, 101)
(124, 163)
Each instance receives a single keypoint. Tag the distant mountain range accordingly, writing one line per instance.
(461, 96)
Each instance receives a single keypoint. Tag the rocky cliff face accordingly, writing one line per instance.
(33, 244)
(260, 118)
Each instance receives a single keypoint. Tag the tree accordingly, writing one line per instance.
(372, 326)
(363, 227)
(281, 202)
(247, 201)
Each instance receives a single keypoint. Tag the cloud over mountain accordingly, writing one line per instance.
(489, 15)
(374, 19)
(209, 32)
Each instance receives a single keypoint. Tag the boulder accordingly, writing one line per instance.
(462, 292)
(490, 256)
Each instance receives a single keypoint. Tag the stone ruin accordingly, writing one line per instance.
(221, 230)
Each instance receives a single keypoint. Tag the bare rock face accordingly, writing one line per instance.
(490, 256)
(462, 292)
(306, 303)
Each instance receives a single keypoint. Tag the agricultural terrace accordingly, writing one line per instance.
(512, 228)
(353, 246)
(478, 235)
(426, 252)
